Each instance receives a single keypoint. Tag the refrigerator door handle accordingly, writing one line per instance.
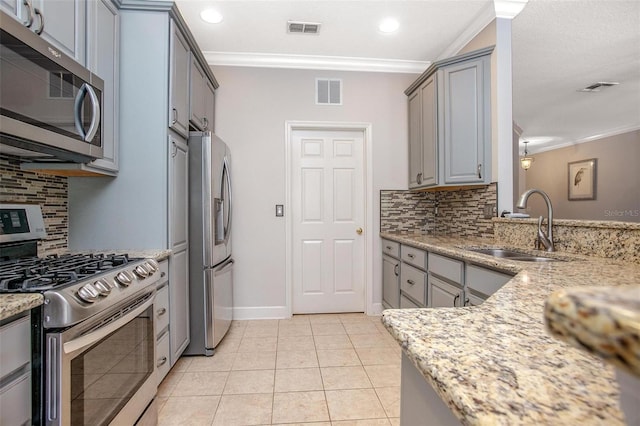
(224, 267)
(226, 173)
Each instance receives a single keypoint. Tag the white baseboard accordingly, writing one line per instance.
(376, 309)
(260, 312)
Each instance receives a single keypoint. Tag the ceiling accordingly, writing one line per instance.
(558, 48)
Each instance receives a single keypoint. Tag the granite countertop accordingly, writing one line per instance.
(14, 304)
(496, 363)
(600, 320)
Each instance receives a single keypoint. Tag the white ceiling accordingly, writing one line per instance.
(559, 46)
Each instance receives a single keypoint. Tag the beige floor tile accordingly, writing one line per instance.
(292, 330)
(368, 340)
(241, 410)
(338, 358)
(378, 356)
(160, 401)
(258, 344)
(191, 410)
(365, 327)
(298, 379)
(299, 407)
(249, 381)
(296, 359)
(169, 383)
(332, 342)
(254, 361)
(261, 323)
(297, 343)
(268, 331)
(328, 329)
(235, 333)
(354, 404)
(352, 316)
(228, 345)
(366, 422)
(383, 375)
(390, 399)
(324, 319)
(217, 362)
(182, 364)
(200, 383)
(395, 421)
(344, 378)
(303, 424)
(298, 318)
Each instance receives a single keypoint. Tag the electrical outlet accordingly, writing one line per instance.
(279, 210)
(488, 211)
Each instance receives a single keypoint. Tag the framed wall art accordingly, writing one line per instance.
(582, 179)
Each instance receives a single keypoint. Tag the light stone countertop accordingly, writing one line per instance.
(495, 364)
(14, 303)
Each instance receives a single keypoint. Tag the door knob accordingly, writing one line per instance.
(359, 231)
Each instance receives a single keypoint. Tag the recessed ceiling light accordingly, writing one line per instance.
(211, 16)
(389, 25)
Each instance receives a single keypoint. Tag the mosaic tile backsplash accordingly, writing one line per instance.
(457, 213)
(21, 186)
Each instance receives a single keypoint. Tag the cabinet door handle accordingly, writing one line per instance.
(162, 361)
(411, 282)
(29, 21)
(388, 247)
(455, 299)
(162, 274)
(162, 311)
(410, 256)
(41, 28)
(419, 178)
(479, 171)
(205, 123)
(395, 269)
(175, 116)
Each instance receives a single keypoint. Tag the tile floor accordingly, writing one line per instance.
(323, 370)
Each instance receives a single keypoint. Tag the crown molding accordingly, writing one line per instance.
(557, 145)
(484, 18)
(509, 8)
(334, 63)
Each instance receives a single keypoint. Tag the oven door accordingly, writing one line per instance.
(103, 372)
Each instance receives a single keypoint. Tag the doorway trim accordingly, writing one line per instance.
(366, 129)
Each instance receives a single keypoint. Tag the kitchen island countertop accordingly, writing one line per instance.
(14, 304)
(496, 363)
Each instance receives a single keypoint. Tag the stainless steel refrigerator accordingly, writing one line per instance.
(210, 262)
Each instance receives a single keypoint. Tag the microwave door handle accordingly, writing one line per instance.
(77, 110)
(95, 111)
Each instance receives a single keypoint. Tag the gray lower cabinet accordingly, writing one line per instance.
(443, 294)
(15, 370)
(482, 283)
(390, 282)
(161, 323)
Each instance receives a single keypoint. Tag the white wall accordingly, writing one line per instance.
(252, 105)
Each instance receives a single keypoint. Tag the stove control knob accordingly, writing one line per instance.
(103, 286)
(141, 271)
(88, 293)
(152, 265)
(124, 278)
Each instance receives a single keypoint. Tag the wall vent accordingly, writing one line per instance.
(299, 27)
(328, 91)
(597, 87)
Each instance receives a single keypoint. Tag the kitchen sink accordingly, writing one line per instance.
(512, 255)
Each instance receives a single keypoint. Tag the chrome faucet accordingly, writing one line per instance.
(546, 240)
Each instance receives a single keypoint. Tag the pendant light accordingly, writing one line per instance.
(525, 161)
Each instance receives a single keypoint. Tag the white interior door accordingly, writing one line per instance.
(328, 213)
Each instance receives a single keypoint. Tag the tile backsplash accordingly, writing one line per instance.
(21, 186)
(459, 212)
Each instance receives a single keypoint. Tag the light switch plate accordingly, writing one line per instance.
(279, 210)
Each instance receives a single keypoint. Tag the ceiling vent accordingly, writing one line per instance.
(298, 27)
(597, 87)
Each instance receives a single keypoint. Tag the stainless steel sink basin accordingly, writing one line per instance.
(512, 255)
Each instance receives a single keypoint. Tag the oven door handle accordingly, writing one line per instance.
(89, 339)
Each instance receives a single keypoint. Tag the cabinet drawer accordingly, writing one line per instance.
(391, 248)
(446, 268)
(485, 281)
(407, 303)
(162, 357)
(161, 309)
(15, 345)
(15, 401)
(413, 283)
(414, 256)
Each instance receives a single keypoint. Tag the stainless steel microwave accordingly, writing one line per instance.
(50, 105)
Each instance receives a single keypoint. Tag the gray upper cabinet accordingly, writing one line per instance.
(209, 106)
(466, 132)
(179, 82)
(450, 123)
(197, 95)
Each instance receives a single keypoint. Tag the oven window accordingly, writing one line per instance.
(108, 374)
